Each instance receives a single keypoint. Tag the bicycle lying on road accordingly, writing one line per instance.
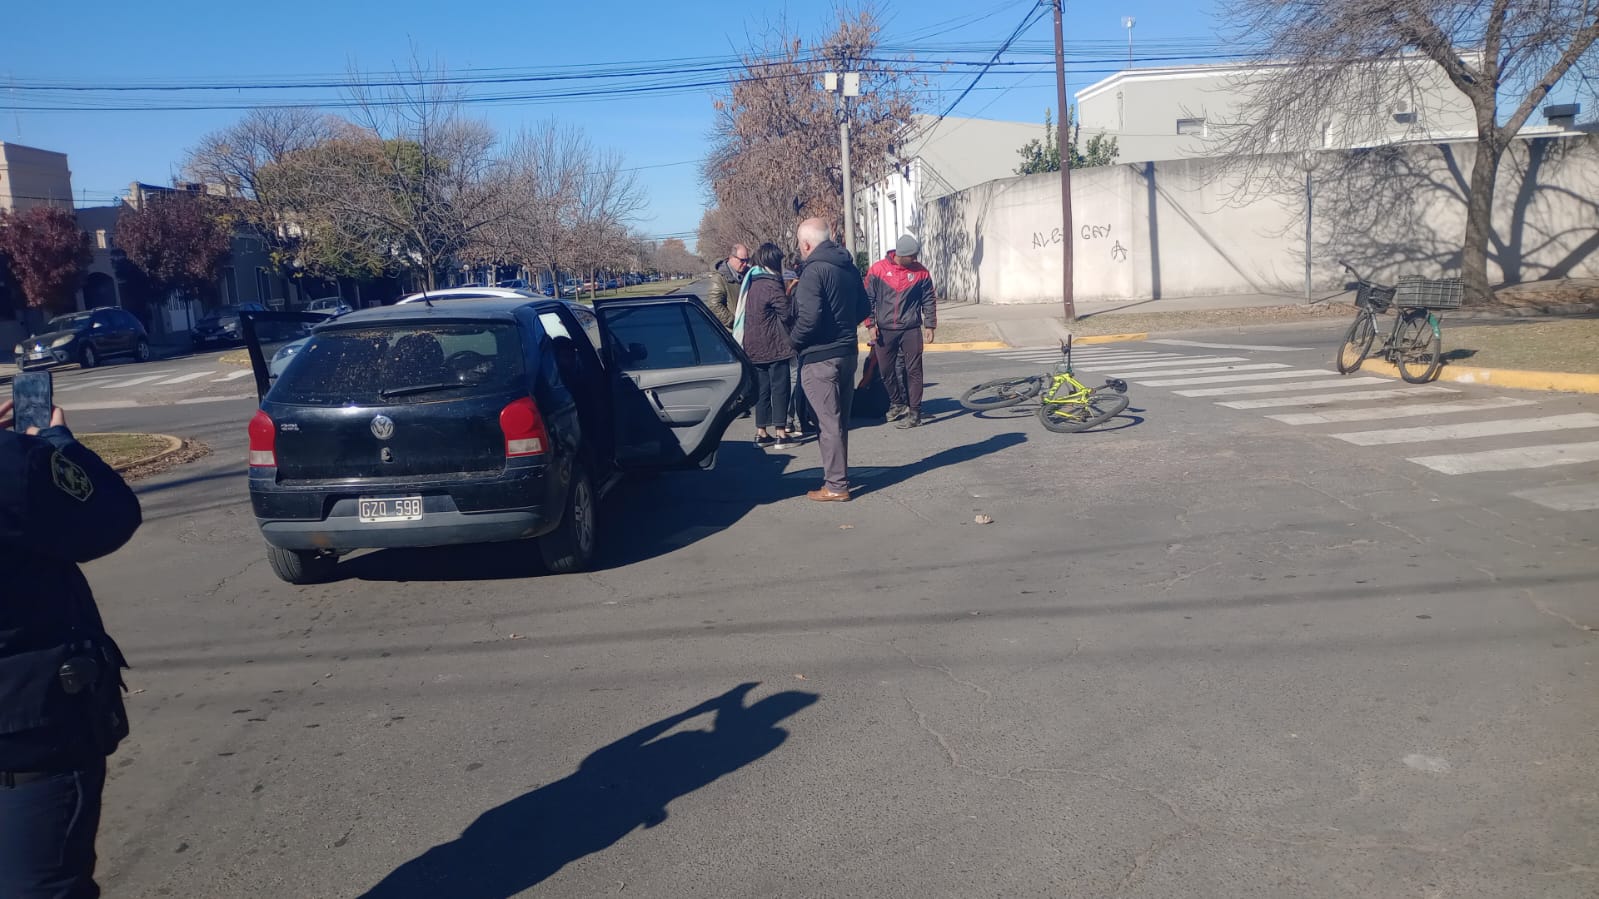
(1065, 403)
(1415, 344)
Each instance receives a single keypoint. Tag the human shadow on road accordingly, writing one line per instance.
(875, 479)
(618, 788)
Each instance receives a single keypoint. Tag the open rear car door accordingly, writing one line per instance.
(265, 330)
(678, 378)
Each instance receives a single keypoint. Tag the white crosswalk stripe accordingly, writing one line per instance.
(1281, 388)
(1234, 346)
(233, 376)
(130, 382)
(1379, 413)
(1513, 459)
(1162, 363)
(1200, 370)
(1565, 497)
(1465, 430)
(182, 378)
(1317, 399)
(1222, 379)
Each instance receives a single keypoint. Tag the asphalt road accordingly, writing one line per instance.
(1201, 652)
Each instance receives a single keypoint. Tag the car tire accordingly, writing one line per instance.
(301, 566)
(141, 350)
(87, 357)
(570, 547)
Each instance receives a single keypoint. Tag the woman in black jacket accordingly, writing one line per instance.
(768, 316)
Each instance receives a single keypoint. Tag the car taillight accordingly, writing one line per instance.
(523, 427)
(263, 441)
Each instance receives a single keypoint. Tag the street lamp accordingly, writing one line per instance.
(1128, 22)
(843, 86)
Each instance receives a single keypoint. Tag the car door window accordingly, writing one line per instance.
(652, 338)
(590, 324)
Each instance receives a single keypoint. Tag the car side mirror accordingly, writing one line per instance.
(637, 352)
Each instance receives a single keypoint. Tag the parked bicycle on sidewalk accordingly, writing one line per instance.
(1415, 343)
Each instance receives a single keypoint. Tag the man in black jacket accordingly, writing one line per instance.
(61, 708)
(829, 303)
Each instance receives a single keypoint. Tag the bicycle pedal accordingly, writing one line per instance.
(1116, 384)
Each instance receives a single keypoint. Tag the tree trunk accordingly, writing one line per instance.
(1479, 224)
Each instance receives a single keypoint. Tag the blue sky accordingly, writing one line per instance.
(183, 42)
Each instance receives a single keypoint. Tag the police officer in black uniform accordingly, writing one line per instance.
(61, 708)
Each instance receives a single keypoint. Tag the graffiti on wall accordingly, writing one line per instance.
(1052, 238)
(1045, 239)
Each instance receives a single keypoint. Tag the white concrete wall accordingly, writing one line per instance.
(1168, 229)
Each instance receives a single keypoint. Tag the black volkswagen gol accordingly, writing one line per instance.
(477, 421)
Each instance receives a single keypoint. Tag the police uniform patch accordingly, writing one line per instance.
(70, 478)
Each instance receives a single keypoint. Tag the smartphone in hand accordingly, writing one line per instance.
(33, 396)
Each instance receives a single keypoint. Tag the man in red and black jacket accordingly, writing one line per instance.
(904, 306)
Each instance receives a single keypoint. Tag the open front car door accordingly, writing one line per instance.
(264, 330)
(678, 378)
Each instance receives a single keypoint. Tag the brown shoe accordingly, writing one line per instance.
(826, 495)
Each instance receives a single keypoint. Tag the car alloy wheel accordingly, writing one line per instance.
(89, 358)
(141, 352)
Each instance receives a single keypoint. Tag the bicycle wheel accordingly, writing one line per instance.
(1357, 343)
(1065, 418)
(1419, 350)
(1001, 393)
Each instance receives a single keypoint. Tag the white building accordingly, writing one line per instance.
(1178, 112)
(944, 156)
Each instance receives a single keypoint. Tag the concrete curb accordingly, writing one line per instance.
(1111, 338)
(174, 444)
(1568, 382)
(966, 347)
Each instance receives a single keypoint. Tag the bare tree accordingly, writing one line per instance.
(1338, 67)
(544, 169)
(775, 156)
(251, 160)
(430, 177)
(609, 199)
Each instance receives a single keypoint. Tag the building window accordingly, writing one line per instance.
(1195, 127)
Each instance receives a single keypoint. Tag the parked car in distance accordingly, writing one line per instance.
(221, 326)
(332, 306)
(517, 283)
(85, 338)
(486, 420)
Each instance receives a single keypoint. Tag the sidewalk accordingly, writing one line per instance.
(1044, 324)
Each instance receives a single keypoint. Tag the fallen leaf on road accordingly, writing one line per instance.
(800, 677)
(518, 636)
(983, 519)
(846, 527)
(140, 690)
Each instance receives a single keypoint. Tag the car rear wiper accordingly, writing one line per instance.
(418, 388)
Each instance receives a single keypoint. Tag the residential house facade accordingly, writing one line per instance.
(1181, 112)
(943, 156)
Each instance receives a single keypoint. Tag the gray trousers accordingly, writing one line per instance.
(830, 386)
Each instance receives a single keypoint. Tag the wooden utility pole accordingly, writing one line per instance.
(1065, 169)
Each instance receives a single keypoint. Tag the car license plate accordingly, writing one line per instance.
(393, 508)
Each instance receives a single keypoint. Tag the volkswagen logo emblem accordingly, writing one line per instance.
(382, 427)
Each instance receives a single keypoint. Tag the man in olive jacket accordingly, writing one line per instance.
(726, 278)
(829, 304)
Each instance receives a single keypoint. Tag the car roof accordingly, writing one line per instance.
(458, 293)
(483, 308)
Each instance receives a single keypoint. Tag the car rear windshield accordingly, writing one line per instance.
(403, 363)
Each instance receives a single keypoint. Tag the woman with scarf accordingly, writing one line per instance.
(764, 317)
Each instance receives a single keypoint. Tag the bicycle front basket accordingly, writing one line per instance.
(1420, 293)
(1374, 296)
